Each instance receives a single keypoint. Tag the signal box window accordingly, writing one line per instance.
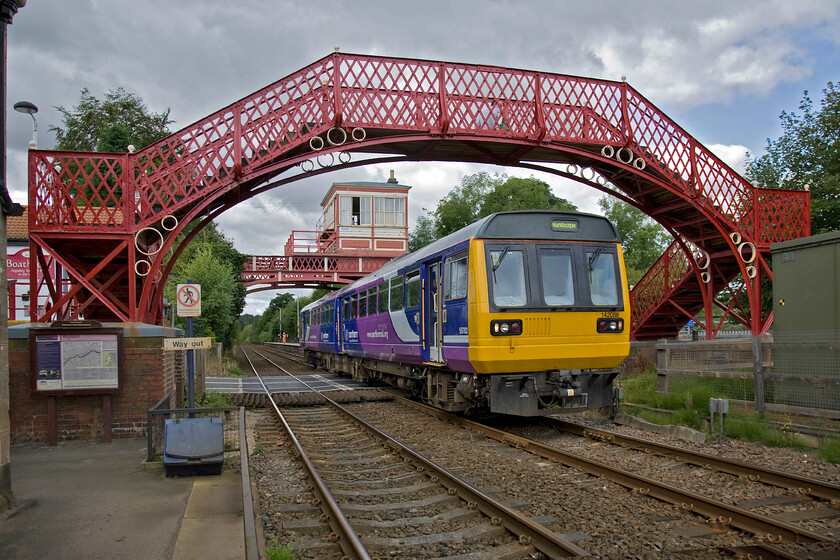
(396, 293)
(388, 211)
(557, 278)
(507, 275)
(412, 289)
(455, 282)
(603, 283)
(355, 210)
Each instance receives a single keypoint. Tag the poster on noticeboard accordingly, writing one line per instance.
(76, 360)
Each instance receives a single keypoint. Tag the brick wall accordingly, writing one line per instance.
(150, 374)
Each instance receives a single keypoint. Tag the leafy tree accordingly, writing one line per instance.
(422, 234)
(643, 240)
(210, 248)
(109, 125)
(480, 195)
(218, 281)
(523, 194)
(807, 155)
(462, 206)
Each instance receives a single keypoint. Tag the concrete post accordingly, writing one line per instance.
(758, 375)
(663, 357)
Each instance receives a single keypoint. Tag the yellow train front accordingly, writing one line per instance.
(548, 315)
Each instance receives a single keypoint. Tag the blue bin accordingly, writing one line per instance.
(193, 446)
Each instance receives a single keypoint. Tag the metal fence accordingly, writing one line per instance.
(230, 421)
(796, 373)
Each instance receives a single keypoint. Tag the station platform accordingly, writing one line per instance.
(98, 500)
(281, 384)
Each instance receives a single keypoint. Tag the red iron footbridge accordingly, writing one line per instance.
(103, 226)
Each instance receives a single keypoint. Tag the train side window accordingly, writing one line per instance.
(396, 293)
(603, 284)
(363, 303)
(455, 278)
(412, 289)
(372, 301)
(507, 274)
(383, 298)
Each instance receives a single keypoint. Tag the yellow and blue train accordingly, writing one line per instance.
(523, 313)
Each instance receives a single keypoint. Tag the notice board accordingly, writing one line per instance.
(76, 360)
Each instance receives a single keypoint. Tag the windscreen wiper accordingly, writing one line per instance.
(594, 258)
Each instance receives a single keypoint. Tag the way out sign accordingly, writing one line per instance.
(189, 300)
(197, 343)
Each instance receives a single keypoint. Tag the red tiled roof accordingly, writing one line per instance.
(17, 227)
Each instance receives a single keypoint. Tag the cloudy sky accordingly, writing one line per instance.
(723, 70)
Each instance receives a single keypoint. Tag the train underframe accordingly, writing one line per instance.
(519, 394)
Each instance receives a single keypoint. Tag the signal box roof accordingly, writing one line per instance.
(379, 188)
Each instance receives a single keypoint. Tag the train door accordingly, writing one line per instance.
(433, 312)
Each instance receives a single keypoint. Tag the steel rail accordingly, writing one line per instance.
(528, 531)
(802, 484)
(347, 537)
(772, 530)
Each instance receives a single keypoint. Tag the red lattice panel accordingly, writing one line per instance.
(657, 285)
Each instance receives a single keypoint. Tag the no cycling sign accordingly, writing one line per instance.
(189, 300)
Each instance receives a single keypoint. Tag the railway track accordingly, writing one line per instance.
(724, 512)
(381, 499)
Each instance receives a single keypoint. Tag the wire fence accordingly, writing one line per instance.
(788, 372)
(230, 422)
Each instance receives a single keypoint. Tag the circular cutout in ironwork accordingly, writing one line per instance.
(752, 271)
(358, 134)
(307, 165)
(607, 151)
(332, 160)
(141, 272)
(171, 219)
(316, 141)
(706, 259)
(753, 254)
(344, 157)
(639, 163)
(621, 159)
(705, 277)
(735, 237)
(137, 238)
(339, 142)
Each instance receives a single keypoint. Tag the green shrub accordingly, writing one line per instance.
(829, 450)
(284, 552)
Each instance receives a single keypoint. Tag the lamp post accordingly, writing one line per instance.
(29, 109)
(8, 9)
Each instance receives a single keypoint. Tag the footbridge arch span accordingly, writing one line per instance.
(347, 110)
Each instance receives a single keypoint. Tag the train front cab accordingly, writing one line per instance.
(549, 320)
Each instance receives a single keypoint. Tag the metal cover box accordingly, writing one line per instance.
(193, 446)
(806, 284)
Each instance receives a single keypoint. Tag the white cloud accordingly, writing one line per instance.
(197, 56)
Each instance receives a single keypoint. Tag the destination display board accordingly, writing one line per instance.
(76, 361)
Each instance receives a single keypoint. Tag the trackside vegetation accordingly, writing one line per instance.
(687, 404)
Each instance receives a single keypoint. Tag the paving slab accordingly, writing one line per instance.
(91, 501)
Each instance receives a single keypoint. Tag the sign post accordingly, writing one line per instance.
(189, 306)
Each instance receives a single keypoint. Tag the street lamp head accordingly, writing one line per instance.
(26, 107)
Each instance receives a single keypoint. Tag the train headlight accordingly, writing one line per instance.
(506, 327)
(606, 325)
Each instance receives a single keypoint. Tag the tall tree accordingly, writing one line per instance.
(480, 195)
(643, 240)
(109, 125)
(517, 193)
(218, 281)
(807, 156)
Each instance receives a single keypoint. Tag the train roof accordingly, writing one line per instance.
(516, 224)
